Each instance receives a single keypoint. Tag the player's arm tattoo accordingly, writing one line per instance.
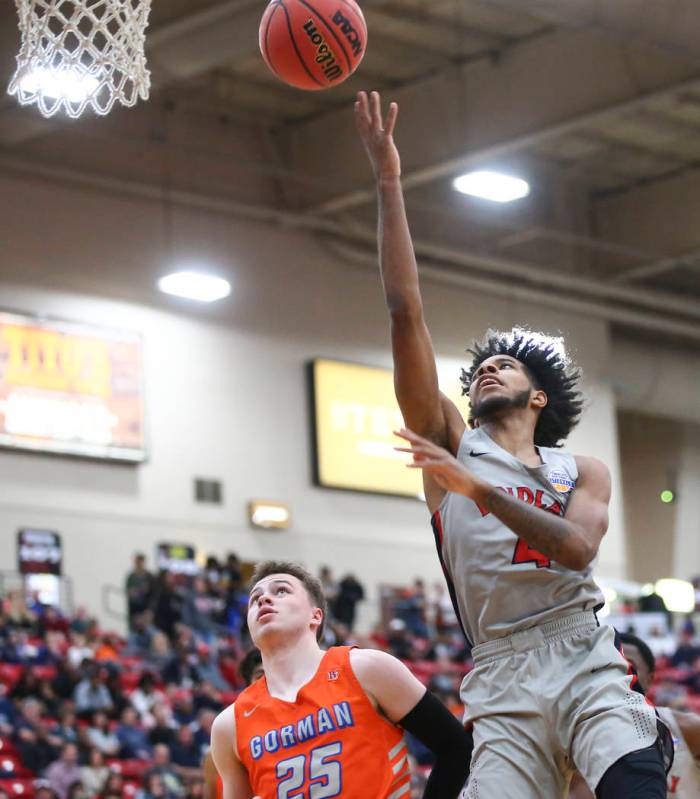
(552, 535)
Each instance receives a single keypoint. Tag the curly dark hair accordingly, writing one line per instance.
(549, 370)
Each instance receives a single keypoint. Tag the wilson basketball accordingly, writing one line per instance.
(313, 44)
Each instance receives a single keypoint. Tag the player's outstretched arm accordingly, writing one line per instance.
(572, 539)
(405, 701)
(223, 749)
(415, 373)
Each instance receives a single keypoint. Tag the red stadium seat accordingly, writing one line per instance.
(129, 769)
(45, 672)
(11, 767)
(23, 788)
(7, 747)
(10, 673)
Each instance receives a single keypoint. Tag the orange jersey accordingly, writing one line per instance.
(330, 742)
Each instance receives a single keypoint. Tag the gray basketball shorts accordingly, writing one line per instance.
(549, 700)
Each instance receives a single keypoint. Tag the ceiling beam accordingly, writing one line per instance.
(674, 31)
(675, 314)
(485, 111)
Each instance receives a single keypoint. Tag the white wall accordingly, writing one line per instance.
(226, 388)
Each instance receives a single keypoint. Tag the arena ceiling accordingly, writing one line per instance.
(597, 104)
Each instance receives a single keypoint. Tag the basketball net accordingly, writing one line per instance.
(77, 54)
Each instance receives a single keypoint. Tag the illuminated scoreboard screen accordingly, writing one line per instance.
(355, 414)
(70, 388)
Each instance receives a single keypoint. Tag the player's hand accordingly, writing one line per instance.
(442, 466)
(377, 134)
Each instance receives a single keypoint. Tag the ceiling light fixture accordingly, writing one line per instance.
(493, 186)
(195, 286)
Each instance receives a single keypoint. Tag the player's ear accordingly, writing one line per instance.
(317, 618)
(538, 399)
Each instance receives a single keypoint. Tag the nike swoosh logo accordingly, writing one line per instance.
(477, 454)
(247, 713)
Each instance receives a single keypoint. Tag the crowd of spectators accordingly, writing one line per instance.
(86, 713)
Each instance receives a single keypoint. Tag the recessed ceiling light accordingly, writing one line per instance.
(195, 286)
(492, 186)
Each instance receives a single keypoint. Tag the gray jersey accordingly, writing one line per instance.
(499, 585)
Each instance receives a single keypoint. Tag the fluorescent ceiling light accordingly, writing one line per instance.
(492, 186)
(69, 84)
(195, 286)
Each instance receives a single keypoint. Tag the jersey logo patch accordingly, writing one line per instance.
(561, 481)
(333, 675)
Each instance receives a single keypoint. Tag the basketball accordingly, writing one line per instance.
(313, 44)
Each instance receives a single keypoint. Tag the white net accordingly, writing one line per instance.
(76, 55)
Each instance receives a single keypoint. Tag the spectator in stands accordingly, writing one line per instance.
(250, 668)
(183, 706)
(67, 728)
(113, 787)
(18, 614)
(33, 737)
(80, 623)
(232, 572)
(329, 584)
(200, 608)
(42, 790)
(185, 754)
(141, 634)
(400, 640)
(79, 651)
(412, 609)
(162, 767)
(155, 788)
(140, 585)
(443, 610)
(51, 621)
(133, 740)
(65, 681)
(30, 685)
(167, 607)
(8, 713)
(91, 693)
(63, 772)
(202, 730)
(145, 697)
(180, 670)
(162, 729)
(205, 695)
(101, 737)
(208, 669)
(350, 592)
(78, 791)
(116, 693)
(688, 650)
(94, 775)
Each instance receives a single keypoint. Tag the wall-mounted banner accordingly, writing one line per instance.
(71, 388)
(39, 552)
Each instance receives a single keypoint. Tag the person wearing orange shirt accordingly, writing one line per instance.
(324, 724)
